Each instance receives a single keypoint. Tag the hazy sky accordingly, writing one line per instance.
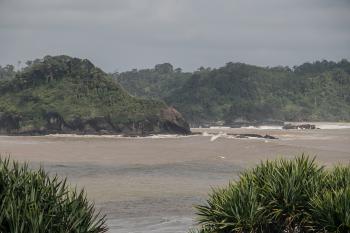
(126, 34)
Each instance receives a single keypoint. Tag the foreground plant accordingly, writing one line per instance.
(281, 196)
(31, 201)
(330, 208)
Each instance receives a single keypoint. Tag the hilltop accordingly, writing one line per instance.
(61, 94)
(239, 92)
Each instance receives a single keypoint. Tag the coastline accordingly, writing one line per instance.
(162, 177)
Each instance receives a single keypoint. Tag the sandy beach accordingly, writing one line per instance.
(151, 184)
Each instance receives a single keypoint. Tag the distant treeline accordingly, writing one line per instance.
(318, 91)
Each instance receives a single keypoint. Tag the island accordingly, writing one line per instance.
(62, 94)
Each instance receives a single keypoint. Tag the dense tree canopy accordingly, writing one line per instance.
(312, 91)
(64, 93)
(153, 83)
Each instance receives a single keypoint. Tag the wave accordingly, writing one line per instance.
(219, 127)
(325, 125)
(159, 136)
(215, 136)
(263, 127)
(319, 125)
(333, 126)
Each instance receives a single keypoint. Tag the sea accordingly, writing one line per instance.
(151, 184)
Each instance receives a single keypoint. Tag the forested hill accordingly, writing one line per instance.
(62, 94)
(318, 91)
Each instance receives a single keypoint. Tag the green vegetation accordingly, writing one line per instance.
(156, 83)
(31, 201)
(71, 87)
(69, 94)
(7, 72)
(318, 91)
(281, 196)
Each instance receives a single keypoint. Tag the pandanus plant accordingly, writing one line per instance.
(280, 196)
(32, 201)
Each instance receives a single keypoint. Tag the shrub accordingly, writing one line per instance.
(281, 196)
(330, 209)
(31, 201)
(235, 208)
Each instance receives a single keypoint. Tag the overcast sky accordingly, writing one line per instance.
(125, 34)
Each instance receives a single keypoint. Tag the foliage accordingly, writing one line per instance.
(309, 92)
(31, 201)
(7, 72)
(235, 208)
(281, 196)
(73, 89)
(153, 83)
(330, 209)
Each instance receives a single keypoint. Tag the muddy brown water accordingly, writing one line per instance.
(151, 184)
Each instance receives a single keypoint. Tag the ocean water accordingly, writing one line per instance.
(151, 184)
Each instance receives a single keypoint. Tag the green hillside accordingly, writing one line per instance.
(318, 91)
(154, 83)
(64, 94)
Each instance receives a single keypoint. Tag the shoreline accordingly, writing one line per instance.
(194, 131)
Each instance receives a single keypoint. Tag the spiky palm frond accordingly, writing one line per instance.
(281, 196)
(31, 201)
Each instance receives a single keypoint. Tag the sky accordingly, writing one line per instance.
(119, 35)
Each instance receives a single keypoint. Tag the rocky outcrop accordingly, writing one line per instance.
(170, 121)
(300, 126)
(250, 135)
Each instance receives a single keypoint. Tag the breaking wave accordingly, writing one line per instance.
(159, 136)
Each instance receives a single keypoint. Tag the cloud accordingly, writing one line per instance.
(123, 34)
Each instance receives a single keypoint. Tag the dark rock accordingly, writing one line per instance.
(54, 121)
(9, 122)
(269, 137)
(169, 121)
(300, 126)
(252, 135)
(172, 121)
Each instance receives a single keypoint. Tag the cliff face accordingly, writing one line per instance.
(55, 123)
(69, 95)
